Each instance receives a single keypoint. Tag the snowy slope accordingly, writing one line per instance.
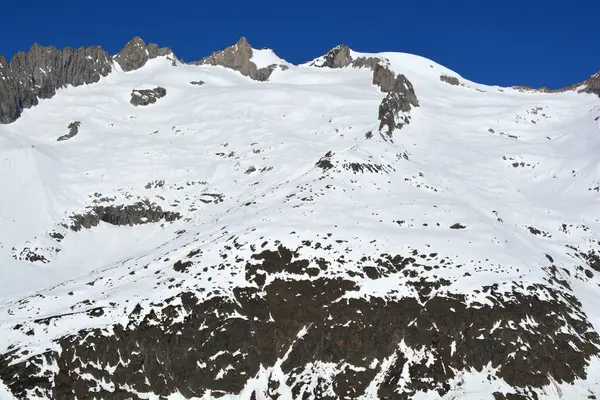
(291, 202)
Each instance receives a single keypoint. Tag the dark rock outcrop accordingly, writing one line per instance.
(142, 212)
(9, 102)
(38, 73)
(452, 80)
(238, 57)
(384, 78)
(394, 108)
(73, 130)
(340, 57)
(400, 98)
(592, 85)
(197, 83)
(144, 97)
(136, 54)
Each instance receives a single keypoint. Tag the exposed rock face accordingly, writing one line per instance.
(73, 130)
(340, 57)
(136, 54)
(452, 80)
(9, 103)
(41, 71)
(384, 78)
(592, 85)
(311, 322)
(197, 83)
(400, 98)
(238, 57)
(143, 97)
(142, 212)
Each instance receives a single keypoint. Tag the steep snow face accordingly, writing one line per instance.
(255, 239)
(266, 57)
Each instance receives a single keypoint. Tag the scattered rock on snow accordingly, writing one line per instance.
(144, 97)
(73, 130)
(142, 212)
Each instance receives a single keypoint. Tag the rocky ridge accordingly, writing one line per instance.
(227, 305)
(40, 72)
(239, 58)
(400, 98)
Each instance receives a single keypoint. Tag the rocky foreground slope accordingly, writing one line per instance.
(361, 226)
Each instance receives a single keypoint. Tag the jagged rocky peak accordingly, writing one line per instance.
(136, 54)
(239, 58)
(341, 57)
(592, 84)
(8, 101)
(338, 57)
(38, 73)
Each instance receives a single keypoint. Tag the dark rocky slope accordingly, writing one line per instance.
(262, 325)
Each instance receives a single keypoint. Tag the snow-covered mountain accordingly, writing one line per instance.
(361, 226)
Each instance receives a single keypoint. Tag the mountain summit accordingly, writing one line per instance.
(361, 226)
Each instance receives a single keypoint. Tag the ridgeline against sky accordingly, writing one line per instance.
(503, 43)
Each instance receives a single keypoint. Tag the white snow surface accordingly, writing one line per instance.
(202, 140)
(265, 57)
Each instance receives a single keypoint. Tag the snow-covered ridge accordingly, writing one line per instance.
(263, 239)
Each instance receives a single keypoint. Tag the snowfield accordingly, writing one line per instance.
(493, 192)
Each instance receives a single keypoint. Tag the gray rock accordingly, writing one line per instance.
(452, 80)
(136, 54)
(9, 103)
(144, 97)
(366, 62)
(238, 57)
(338, 57)
(394, 108)
(384, 78)
(73, 130)
(142, 212)
(38, 73)
(197, 83)
(592, 85)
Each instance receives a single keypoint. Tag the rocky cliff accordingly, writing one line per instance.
(40, 72)
(239, 58)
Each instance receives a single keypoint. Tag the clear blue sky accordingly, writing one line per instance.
(527, 42)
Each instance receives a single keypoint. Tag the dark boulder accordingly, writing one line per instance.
(452, 80)
(144, 97)
(73, 130)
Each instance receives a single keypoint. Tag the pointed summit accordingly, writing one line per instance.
(243, 43)
(338, 57)
(136, 54)
(592, 84)
(235, 57)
